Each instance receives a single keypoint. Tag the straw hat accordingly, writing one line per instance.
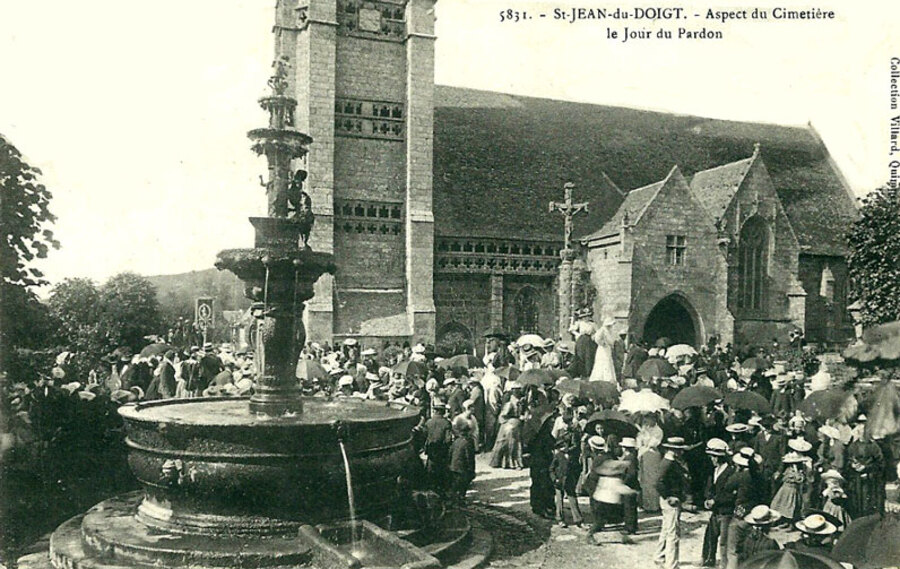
(597, 442)
(345, 380)
(799, 445)
(350, 342)
(743, 457)
(628, 442)
(830, 432)
(792, 458)
(737, 428)
(716, 447)
(675, 443)
(368, 352)
(762, 515)
(816, 524)
(832, 474)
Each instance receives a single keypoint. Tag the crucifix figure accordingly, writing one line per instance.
(569, 211)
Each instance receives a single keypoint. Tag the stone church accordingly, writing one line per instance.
(434, 200)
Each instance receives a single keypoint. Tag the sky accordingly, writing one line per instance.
(137, 112)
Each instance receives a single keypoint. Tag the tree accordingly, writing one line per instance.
(874, 241)
(25, 211)
(129, 310)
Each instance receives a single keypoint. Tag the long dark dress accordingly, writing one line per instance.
(865, 484)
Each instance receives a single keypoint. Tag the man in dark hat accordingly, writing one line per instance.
(496, 344)
(672, 485)
(720, 502)
(438, 436)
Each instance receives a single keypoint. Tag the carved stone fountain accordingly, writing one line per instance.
(232, 482)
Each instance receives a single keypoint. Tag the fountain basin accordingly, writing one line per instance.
(211, 466)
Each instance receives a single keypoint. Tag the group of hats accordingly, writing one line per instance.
(813, 524)
(597, 442)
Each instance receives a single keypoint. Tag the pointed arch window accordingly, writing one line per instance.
(753, 267)
(526, 310)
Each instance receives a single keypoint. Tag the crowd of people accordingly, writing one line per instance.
(658, 428)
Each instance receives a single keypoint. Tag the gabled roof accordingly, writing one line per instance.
(716, 187)
(500, 159)
(634, 205)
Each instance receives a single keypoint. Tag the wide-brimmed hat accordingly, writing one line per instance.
(350, 342)
(832, 474)
(628, 442)
(799, 445)
(792, 458)
(743, 456)
(565, 347)
(345, 381)
(368, 352)
(450, 381)
(830, 432)
(207, 346)
(674, 443)
(597, 442)
(418, 349)
(816, 524)
(762, 515)
(438, 404)
(716, 447)
(549, 343)
(737, 428)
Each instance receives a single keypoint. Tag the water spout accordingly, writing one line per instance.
(350, 502)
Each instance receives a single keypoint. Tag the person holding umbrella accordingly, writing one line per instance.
(672, 485)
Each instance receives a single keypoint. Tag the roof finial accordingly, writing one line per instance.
(756, 150)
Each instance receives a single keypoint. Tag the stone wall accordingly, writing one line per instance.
(757, 200)
(700, 282)
(826, 321)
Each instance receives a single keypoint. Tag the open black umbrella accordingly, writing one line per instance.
(748, 400)
(789, 559)
(465, 361)
(870, 542)
(695, 396)
(656, 367)
(756, 363)
(612, 421)
(535, 421)
(535, 376)
(410, 369)
(157, 349)
(828, 404)
(604, 392)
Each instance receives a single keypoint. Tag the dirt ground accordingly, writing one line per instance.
(549, 546)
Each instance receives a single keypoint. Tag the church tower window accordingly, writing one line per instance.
(753, 259)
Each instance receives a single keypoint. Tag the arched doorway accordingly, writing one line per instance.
(672, 318)
(454, 338)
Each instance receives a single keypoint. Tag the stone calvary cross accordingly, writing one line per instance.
(569, 211)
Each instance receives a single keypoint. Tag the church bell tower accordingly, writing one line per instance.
(362, 72)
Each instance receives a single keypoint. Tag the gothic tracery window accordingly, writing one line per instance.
(753, 259)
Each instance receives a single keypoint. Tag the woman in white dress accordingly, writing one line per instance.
(604, 368)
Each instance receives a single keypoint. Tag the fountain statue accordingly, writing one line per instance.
(264, 482)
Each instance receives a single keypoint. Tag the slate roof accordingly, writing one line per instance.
(499, 159)
(716, 187)
(635, 202)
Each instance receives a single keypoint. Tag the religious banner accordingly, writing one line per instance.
(204, 316)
